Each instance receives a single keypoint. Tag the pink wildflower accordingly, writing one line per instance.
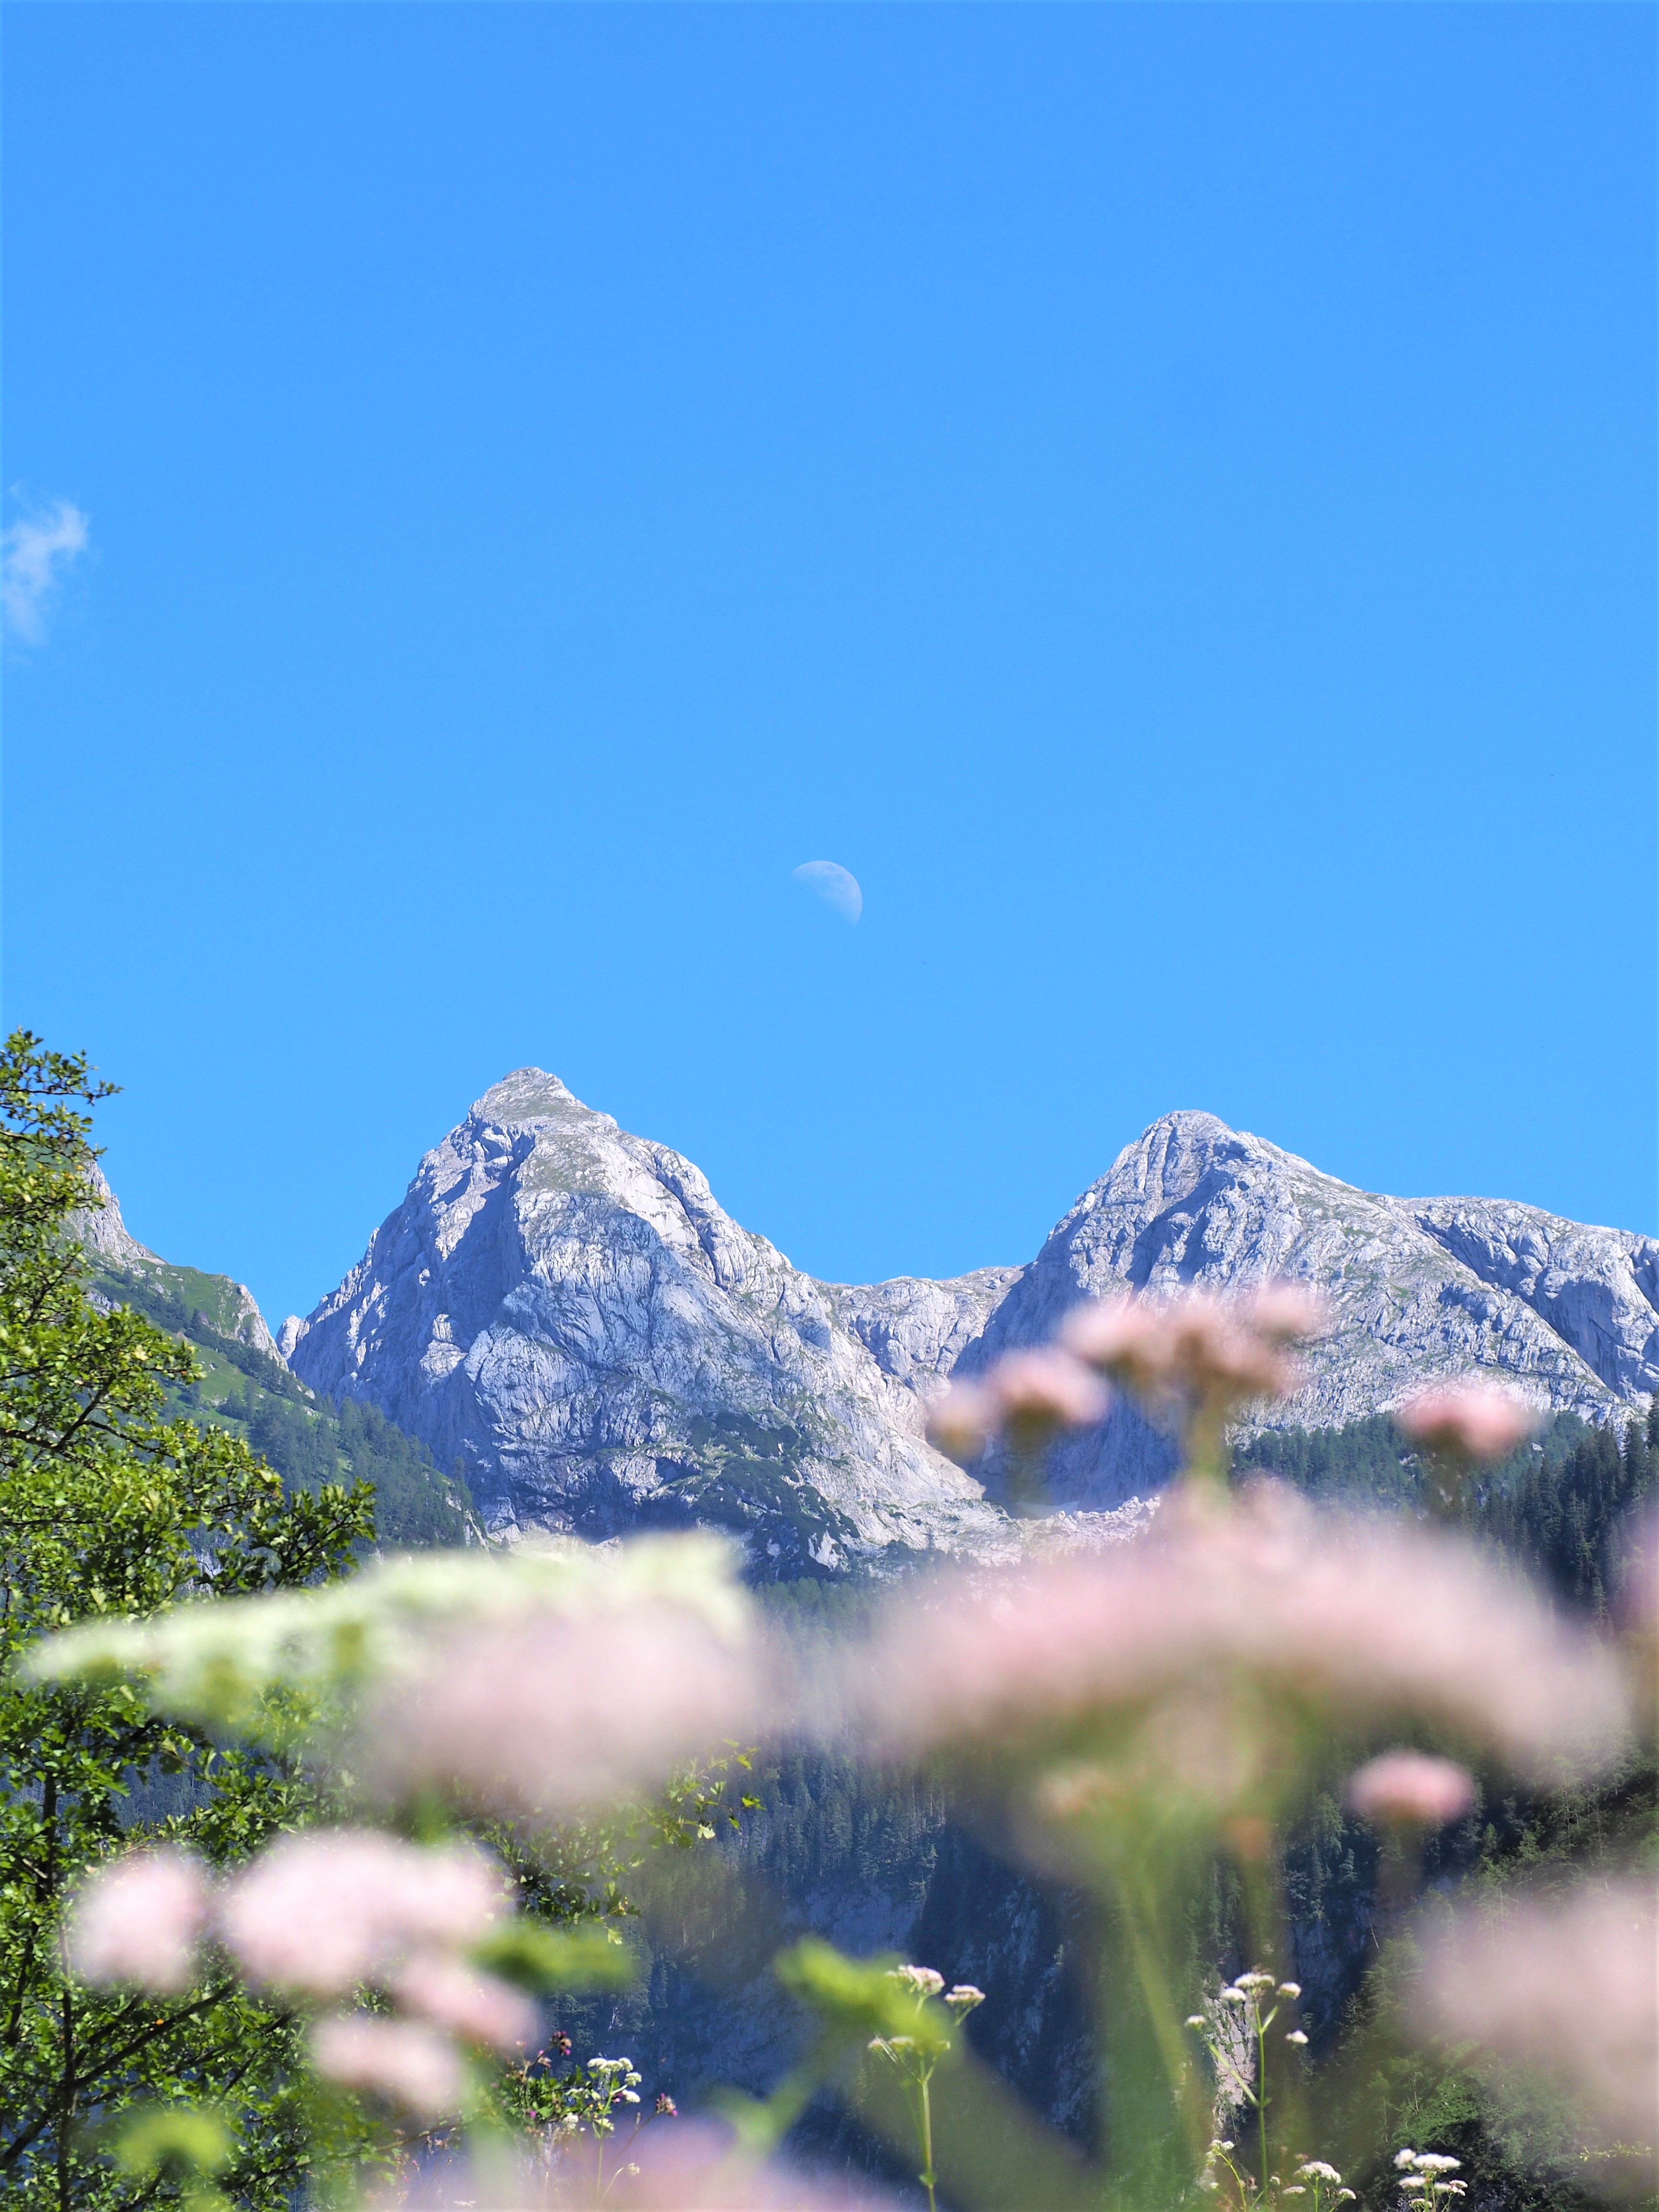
(1026, 1394)
(550, 1716)
(476, 2007)
(139, 1920)
(963, 1419)
(403, 2060)
(1410, 1790)
(1048, 1388)
(696, 2167)
(1222, 1611)
(1197, 1347)
(327, 1909)
(1564, 1983)
(1478, 1421)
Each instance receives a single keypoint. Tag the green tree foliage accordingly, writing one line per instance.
(109, 1506)
(1571, 1521)
(1562, 1506)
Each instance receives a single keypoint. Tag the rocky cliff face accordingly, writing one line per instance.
(1418, 1288)
(566, 1310)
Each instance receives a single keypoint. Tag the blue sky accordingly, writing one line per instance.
(1163, 496)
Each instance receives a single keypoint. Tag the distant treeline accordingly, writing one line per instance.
(1562, 1506)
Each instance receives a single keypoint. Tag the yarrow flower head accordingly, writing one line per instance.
(1474, 1422)
(963, 1420)
(478, 2008)
(1411, 1789)
(1423, 2178)
(1564, 1984)
(139, 1920)
(1025, 1395)
(541, 1717)
(1197, 1346)
(404, 2061)
(1336, 1621)
(325, 1911)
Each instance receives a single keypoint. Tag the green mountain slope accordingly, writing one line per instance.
(307, 1438)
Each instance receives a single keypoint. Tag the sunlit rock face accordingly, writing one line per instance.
(566, 1310)
(1417, 1288)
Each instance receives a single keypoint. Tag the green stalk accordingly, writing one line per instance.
(924, 2111)
(1208, 1460)
(1261, 2090)
(1140, 1916)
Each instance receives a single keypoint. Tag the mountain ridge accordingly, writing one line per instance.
(225, 1306)
(566, 1309)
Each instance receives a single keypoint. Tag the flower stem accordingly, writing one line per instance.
(925, 2129)
(1261, 2090)
(1164, 2014)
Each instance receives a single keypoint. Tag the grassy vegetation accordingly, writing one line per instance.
(308, 1440)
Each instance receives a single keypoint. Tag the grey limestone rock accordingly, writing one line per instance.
(103, 1231)
(1418, 1289)
(565, 1309)
(916, 1330)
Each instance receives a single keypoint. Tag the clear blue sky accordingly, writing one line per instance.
(1164, 494)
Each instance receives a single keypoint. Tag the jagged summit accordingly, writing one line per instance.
(531, 1095)
(1418, 1288)
(567, 1310)
(102, 1229)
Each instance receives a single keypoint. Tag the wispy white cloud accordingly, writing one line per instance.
(37, 550)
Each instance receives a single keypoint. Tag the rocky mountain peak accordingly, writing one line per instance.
(566, 1310)
(532, 1096)
(102, 1231)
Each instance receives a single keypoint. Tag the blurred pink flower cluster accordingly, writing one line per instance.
(699, 2167)
(1176, 1354)
(406, 2061)
(322, 1911)
(1476, 1422)
(1024, 1395)
(140, 1919)
(1173, 1351)
(550, 1716)
(1568, 1984)
(1241, 1625)
(1411, 1789)
(321, 1914)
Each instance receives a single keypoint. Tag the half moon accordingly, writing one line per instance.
(837, 886)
